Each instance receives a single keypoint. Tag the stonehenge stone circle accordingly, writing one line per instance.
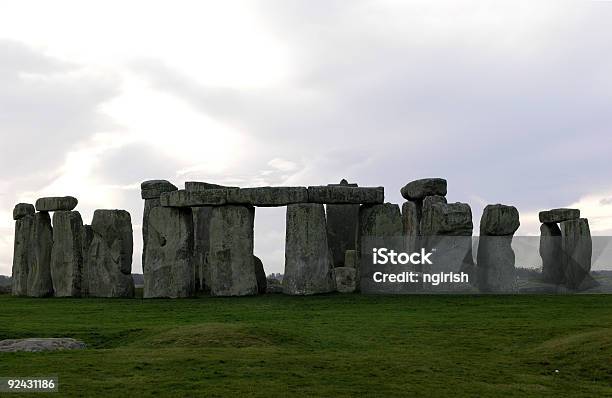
(41, 243)
(551, 254)
(151, 191)
(22, 252)
(22, 210)
(346, 279)
(419, 189)
(577, 251)
(307, 259)
(342, 220)
(558, 215)
(168, 270)
(109, 256)
(64, 203)
(260, 274)
(495, 256)
(67, 253)
(231, 263)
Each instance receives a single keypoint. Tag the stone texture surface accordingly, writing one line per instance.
(183, 198)
(346, 279)
(350, 259)
(558, 215)
(268, 196)
(22, 255)
(342, 221)
(56, 203)
(346, 195)
(109, 256)
(196, 186)
(148, 206)
(499, 220)
(307, 259)
(23, 209)
(86, 237)
(495, 260)
(577, 247)
(168, 270)
(41, 344)
(447, 219)
(260, 274)
(201, 246)
(424, 187)
(41, 241)
(67, 254)
(153, 189)
(551, 254)
(231, 264)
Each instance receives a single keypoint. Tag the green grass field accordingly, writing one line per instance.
(331, 346)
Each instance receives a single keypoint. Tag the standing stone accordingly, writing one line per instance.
(410, 225)
(346, 279)
(23, 209)
(41, 243)
(307, 260)
(260, 274)
(168, 270)
(551, 254)
(495, 257)
(577, 249)
(342, 223)
(201, 246)
(109, 257)
(86, 238)
(22, 254)
(67, 253)
(230, 259)
(151, 191)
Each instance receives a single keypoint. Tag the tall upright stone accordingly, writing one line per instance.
(168, 269)
(577, 247)
(260, 274)
(231, 267)
(109, 256)
(67, 253)
(151, 191)
(495, 257)
(23, 214)
(201, 246)
(86, 239)
(41, 244)
(307, 259)
(551, 254)
(342, 220)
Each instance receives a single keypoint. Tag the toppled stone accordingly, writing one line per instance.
(419, 189)
(40, 344)
(346, 279)
(559, 215)
(551, 254)
(307, 261)
(109, 255)
(168, 270)
(201, 246)
(350, 259)
(22, 254)
(453, 219)
(577, 248)
(268, 196)
(182, 198)
(67, 253)
(230, 260)
(342, 221)
(63, 203)
(197, 186)
(153, 189)
(260, 274)
(499, 220)
(23, 209)
(41, 243)
(346, 195)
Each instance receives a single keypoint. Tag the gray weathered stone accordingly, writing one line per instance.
(307, 260)
(201, 246)
(231, 265)
(260, 274)
(424, 187)
(346, 195)
(153, 189)
(450, 219)
(22, 254)
(67, 254)
(196, 186)
(268, 196)
(182, 198)
(168, 270)
(559, 215)
(57, 203)
(109, 257)
(23, 209)
(87, 236)
(40, 344)
(342, 221)
(39, 271)
(551, 254)
(499, 220)
(346, 279)
(577, 249)
(350, 259)
(495, 263)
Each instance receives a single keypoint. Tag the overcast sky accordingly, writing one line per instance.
(509, 101)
